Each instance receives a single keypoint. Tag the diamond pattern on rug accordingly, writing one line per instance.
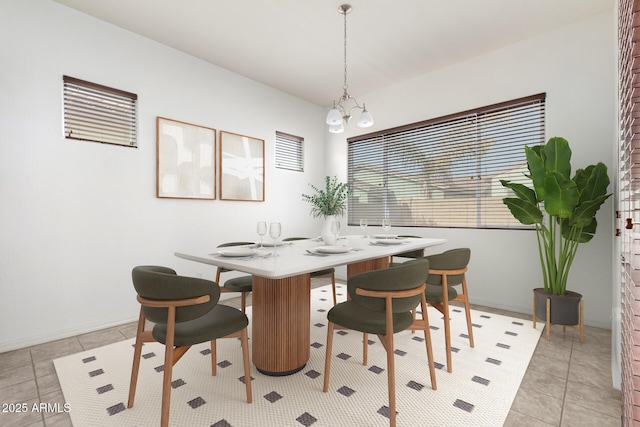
(478, 392)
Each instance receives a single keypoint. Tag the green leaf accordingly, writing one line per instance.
(558, 157)
(536, 170)
(521, 191)
(524, 211)
(586, 211)
(561, 195)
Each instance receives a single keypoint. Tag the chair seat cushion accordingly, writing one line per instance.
(217, 323)
(433, 293)
(324, 272)
(239, 284)
(353, 316)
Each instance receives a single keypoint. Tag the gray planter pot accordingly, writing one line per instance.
(565, 309)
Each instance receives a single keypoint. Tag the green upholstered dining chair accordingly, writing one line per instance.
(327, 272)
(381, 303)
(446, 272)
(185, 311)
(415, 254)
(242, 284)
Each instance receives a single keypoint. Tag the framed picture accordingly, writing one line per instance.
(241, 167)
(186, 160)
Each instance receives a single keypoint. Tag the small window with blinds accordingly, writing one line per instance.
(445, 172)
(289, 152)
(97, 113)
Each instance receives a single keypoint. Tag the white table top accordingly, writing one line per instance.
(292, 259)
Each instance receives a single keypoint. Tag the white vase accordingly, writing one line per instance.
(327, 236)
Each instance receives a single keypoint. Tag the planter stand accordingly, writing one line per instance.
(579, 326)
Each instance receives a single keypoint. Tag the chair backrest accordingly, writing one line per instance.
(453, 259)
(161, 283)
(408, 275)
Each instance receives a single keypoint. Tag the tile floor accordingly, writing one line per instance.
(566, 384)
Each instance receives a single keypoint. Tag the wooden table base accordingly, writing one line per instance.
(281, 324)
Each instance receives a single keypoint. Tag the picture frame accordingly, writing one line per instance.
(186, 160)
(241, 167)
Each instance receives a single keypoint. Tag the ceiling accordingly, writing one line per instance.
(297, 45)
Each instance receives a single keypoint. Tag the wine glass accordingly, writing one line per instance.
(274, 231)
(335, 229)
(386, 225)
(262, 230)
(363, 225)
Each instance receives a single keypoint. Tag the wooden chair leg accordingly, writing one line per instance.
(244, 342)
(447, 322)
(136, 359)
(427, 341)
(391, 370)
(365, 349)
(214, 358)
(168, 367)
(333, 284)
(467, 310)
(243, 298)
(327, 360)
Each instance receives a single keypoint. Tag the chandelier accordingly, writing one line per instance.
(340, 114)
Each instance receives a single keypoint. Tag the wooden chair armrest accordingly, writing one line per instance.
(393, 294)
(165, 303)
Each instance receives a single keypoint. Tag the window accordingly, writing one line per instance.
(98, 113)
(289, 153)
(445, 172)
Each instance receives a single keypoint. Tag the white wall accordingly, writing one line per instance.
(75, 217)
(575, 66)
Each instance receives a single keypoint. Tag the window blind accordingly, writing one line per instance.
(445, 172)
(97, 113)
(289, 152)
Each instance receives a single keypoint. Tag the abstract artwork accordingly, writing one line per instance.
(241, 167)
(186, 160)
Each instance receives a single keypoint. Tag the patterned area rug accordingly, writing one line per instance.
(479, 392)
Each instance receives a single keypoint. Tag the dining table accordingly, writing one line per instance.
(281, 287)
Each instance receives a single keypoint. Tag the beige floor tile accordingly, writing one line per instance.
(578, 416)
(538, 405)
(592, 371)
(517, 419)
(53, 350)
(48, 384)
(15, 376)
(606, 401)
(44, 368)
(544, 383)
(100, 338)
(21, 419)
(14, 359)
(23, 392)
(549, 365)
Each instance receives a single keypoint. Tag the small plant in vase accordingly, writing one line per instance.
(328, 203)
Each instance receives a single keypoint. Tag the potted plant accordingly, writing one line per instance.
(328, 203)
(563, 211)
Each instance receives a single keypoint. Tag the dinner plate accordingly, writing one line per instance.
(333, 249)
(385, 236)
(238, 252)
(388, 241)
(270, 244)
